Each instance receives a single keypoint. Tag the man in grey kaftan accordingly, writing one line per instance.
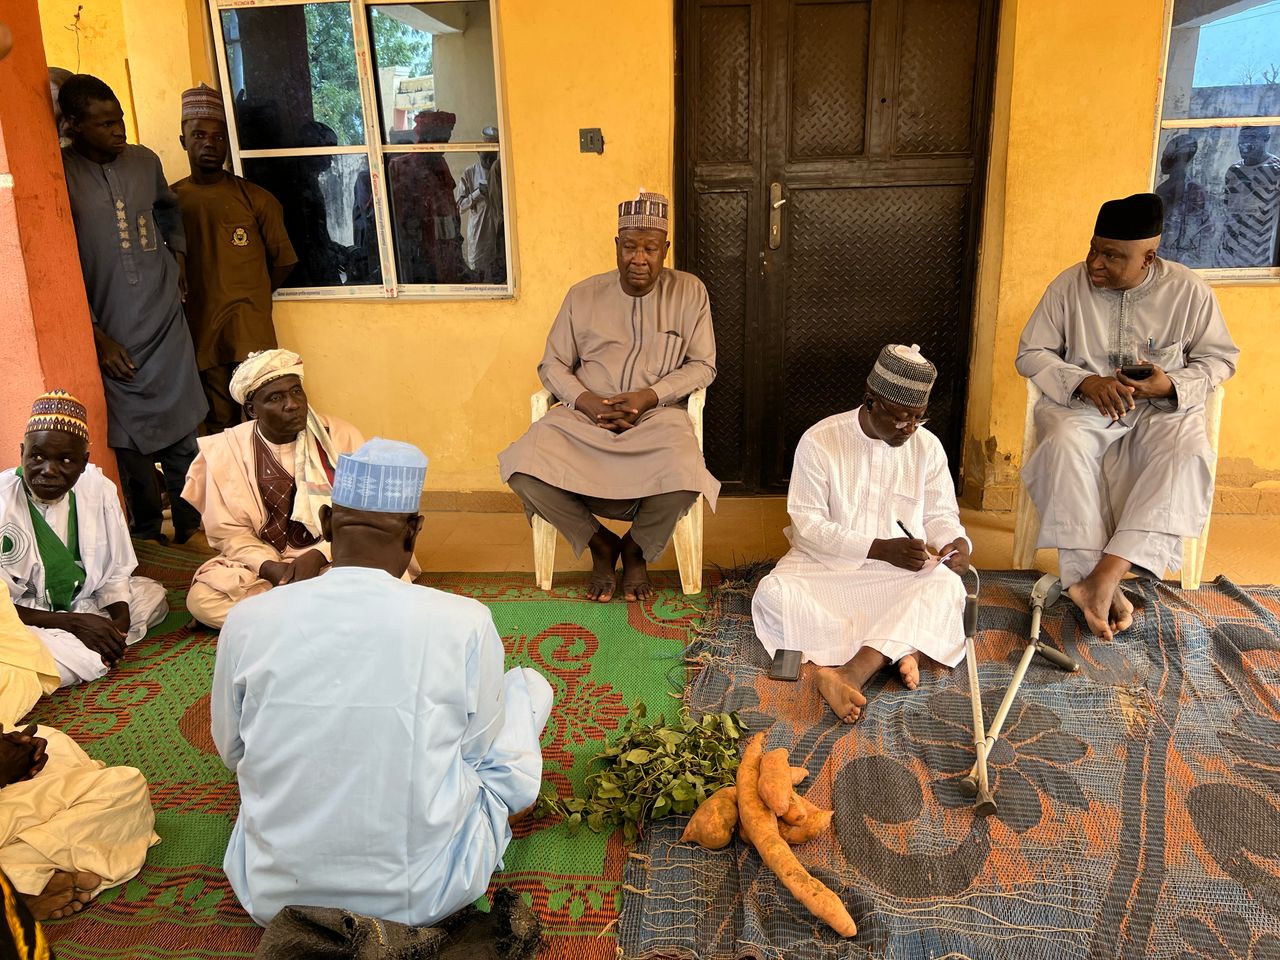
(129, 233)
(624, 353)
(1124, 468)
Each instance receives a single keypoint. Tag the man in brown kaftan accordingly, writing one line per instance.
(624, 353)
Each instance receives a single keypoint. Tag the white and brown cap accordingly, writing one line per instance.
(202, 103)
(902, 376)
(648, 211)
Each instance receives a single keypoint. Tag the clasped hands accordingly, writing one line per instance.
(22, 755)
(617, 413)
(1116, 396)
(303, 567)
(910, 554)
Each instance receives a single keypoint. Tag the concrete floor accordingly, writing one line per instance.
(1242, 547)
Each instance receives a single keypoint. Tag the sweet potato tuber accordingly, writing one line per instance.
(815, 823)
(761, 827)
(712, 824)
(775, 781)
(799, 810)
(798, 774)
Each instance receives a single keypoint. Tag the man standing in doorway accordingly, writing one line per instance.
(132, 252)
(238, 253)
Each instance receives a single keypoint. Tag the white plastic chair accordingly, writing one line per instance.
(1026, 526)
(687, 537)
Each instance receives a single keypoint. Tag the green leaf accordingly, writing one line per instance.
(637, 756)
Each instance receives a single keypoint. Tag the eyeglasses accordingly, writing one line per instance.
(913, 422)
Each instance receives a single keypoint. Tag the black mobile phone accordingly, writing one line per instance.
(1137, 371)
(785, 665)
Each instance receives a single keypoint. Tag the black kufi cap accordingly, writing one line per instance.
(1139, 217)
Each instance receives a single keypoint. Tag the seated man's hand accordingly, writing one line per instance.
(629, 407)
(1112, 398)
(22, 756)
(96, 632)
(901, 552)
(595, 407)
(960, 562)
(1155, 387)
(273, 570)
(305, 567)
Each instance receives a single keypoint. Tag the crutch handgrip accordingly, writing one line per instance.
(970, 615)
(1057, 658)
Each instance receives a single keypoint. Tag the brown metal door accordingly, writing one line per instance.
(833, 152)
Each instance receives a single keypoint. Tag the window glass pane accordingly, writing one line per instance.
(1221, 190)
(434, 58)
(1224, 59)
(446, 211)
(328, 213)
(293, 76)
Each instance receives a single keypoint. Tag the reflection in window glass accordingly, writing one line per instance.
(1224, 64)
(1221, 191)
(434, 57)
(293, 76)
(328, 212)
(446, 210)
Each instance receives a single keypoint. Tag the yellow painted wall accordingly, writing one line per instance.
(455, 378)
(101, 44)
(1082, 89)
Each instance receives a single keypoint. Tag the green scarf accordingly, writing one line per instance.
(63, 574)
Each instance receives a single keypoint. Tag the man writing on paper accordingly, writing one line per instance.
(857, 591)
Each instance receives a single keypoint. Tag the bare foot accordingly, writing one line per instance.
(635, 575)
(842, 687)
(1121, 611)
(65, 893)
(605, 547)
(909, 669)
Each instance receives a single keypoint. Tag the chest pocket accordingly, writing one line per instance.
(666, 354)
(239, 241)
(148, 238)
(1167, 358)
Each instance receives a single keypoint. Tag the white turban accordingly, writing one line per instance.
(261, 368)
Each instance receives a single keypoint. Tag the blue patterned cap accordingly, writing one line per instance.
(385, 476)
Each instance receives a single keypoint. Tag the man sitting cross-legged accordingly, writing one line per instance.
(624, 353)
(379, 747)
(65, 552)
(69, 827)
(259, 487)
(857, 590)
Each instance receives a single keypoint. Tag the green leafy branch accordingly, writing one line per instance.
(652, 771)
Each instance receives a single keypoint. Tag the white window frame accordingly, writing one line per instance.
(1218, 276)
(374, 149)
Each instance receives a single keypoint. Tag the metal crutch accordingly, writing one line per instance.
(985, 804)
(1045, 593)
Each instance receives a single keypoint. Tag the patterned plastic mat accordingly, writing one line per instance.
(152, 712)
(1137, 800)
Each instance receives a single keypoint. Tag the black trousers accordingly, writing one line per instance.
(142, 492)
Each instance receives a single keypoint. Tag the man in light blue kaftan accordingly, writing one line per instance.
(379, 747)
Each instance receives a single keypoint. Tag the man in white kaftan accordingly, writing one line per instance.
(379, 748)
(65, 551)
(625, 352)
(259, 487)
(853, 593)
(1124, 468)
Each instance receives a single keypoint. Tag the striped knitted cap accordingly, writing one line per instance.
(59, 410)
(902, 376)
(646, 212)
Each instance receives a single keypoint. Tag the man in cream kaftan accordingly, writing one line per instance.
(259, 487)
(65, 551)
(624, 353)
(1123, 469)
(853, 592)
(379, 747)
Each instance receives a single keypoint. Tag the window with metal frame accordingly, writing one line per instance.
(378, 126)
(1218, 135)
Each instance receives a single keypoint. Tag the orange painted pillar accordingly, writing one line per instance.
(46, 340)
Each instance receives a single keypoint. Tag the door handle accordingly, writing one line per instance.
(776, 200)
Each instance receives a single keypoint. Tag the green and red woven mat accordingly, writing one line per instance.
(152, 712)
